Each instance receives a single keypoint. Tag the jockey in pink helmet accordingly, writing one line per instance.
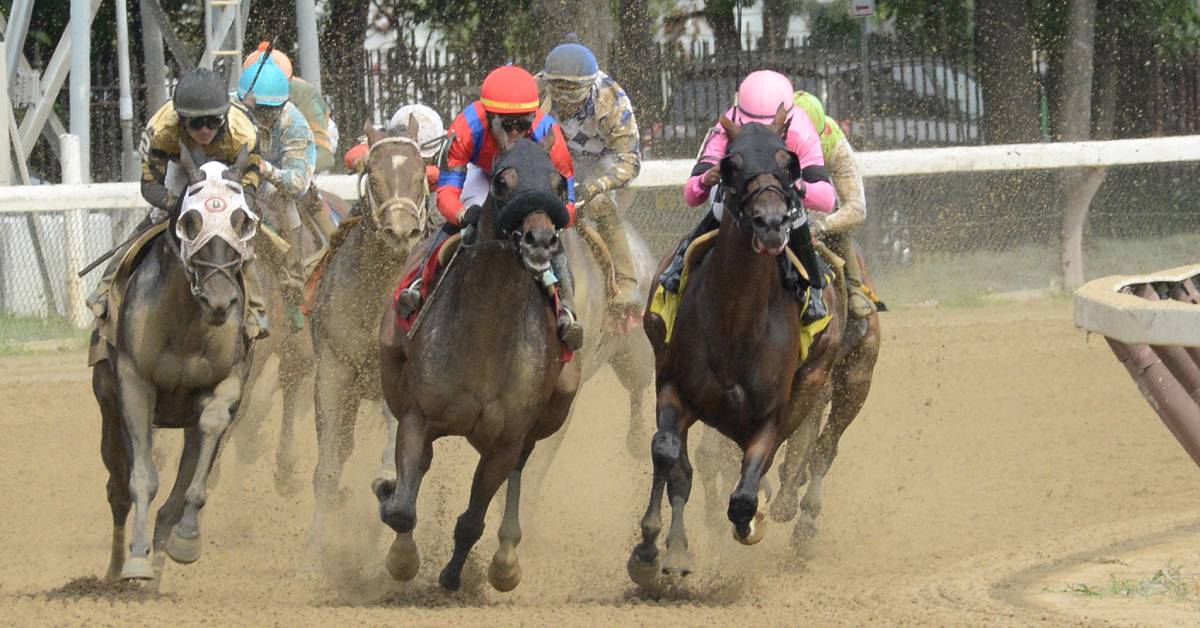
(759, 96)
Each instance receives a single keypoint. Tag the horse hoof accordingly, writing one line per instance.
(137, 568)
(805, 530)
(756, 530)
(504, 577)
(403, 560)
(642, 573)
(677, 563)
(181, 549)
(286, 483)
(450, 581)
(784, 509)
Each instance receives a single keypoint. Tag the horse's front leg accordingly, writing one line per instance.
(665, 450)
(494, 467)
(398, 498)
(505, 571)
(184, 545)
(745, 510)
(138, 399)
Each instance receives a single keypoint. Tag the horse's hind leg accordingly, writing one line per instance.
(634, 367)
(793, 472)
(293, 372)
(665, 449)
(505, 571)
(138, 398)
(494, 467)
(116, 459)
(183, 544)
(851, 384)
(398, 498)
(336, 411)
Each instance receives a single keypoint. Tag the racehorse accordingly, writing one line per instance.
(734, 359)
(365, 264)
(485, 363)
(809, 456)
(179, 360)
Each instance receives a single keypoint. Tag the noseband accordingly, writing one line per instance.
(416, 208)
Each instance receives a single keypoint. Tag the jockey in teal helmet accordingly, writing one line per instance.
(289, 155)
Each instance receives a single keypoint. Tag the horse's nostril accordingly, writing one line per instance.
(553, 240)
(529, 238)
(759, 222)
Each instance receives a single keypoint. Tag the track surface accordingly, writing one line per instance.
(998, 445)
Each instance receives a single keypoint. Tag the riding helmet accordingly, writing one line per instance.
(509, 89)
(277, 56)
(429, 126)
(270, 87)
(200, 93)
(760, 95)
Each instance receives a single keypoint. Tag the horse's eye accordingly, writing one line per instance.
(190, 223)
(243, 226)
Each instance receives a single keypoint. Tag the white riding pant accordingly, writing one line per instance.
(476, 187)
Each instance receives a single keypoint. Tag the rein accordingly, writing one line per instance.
(418, 208)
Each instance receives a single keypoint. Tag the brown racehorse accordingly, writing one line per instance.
(733, 362)
(485, 364)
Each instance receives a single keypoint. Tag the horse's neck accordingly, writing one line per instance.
(738, 280)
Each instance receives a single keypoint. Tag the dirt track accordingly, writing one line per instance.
(998, 448)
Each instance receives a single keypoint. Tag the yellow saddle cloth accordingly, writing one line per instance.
(666, 303)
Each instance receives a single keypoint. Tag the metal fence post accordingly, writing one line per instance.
(73, 228)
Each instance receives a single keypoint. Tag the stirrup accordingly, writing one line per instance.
(670, 278)
(570, 332)
(409, 300)
(815, 310)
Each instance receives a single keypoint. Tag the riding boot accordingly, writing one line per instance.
(801, 243)
(570, 332)
(603, 210)
(257, 325)
(861, 305)
(670, 277)
(409, 301)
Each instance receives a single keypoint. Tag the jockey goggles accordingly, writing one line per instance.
(515, 124)
(210, 122)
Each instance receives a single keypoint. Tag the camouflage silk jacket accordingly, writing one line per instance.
(603, 137)
(308, 99)
(290, 152)
(160, 145)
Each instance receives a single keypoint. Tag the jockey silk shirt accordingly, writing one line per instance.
(160, 144)
(603, 136)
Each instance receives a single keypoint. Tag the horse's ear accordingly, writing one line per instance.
(779, 124)
(187, 160)
(790, 162)
(730, 128)
(235, 172)
(412, 127)
(729, 165)
(373, 134)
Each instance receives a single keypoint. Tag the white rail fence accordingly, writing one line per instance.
(36, 276)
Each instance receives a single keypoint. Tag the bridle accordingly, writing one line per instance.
(417, 208)
(791, 198)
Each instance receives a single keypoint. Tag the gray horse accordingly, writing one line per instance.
(179, 360)
(367, 260)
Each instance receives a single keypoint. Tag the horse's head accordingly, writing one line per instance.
(758, 174)
(396, 187)
(529, 201)
(214, 229)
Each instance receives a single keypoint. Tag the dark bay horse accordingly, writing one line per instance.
(733, 362)
(486, 364)
(180, 360)
(355, 288)
(809, 453)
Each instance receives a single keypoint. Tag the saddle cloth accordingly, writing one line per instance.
(666, 303)
(106, 327)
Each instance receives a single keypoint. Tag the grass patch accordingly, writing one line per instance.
(18, 331)
(1168, 582)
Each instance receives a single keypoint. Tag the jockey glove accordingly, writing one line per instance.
(470, 216)
(589, 190)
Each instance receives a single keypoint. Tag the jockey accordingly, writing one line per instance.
(289, 157)
(198, 116)
(759, 96)
(307, 98)
(602, 133)
(851, 208)
(506, 111)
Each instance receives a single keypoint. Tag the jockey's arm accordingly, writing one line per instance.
(619, 128)
(449, 193)
(298, 160)
(815, 184)
(560, 155)
(852, 205)
(695, 191)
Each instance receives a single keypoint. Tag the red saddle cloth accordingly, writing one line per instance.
(428, 277)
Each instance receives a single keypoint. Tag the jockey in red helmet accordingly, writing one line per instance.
(507, 110)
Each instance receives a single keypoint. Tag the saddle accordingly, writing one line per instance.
(106, 326)
(441, 258)
(666, 304)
